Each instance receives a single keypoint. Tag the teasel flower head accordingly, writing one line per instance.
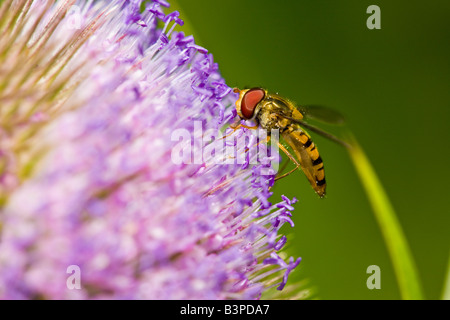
(91, 93)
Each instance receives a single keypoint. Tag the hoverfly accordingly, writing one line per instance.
(271, 111)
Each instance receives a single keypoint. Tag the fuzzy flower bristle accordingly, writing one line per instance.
(89, 105)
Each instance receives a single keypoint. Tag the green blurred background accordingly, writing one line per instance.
(393, 86)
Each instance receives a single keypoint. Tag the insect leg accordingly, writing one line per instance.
(267, 141)
(297, 165)
(245, 126)
(237, 125)
(282, 168)
(286, 174)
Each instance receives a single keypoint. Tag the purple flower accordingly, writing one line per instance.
(92, 94)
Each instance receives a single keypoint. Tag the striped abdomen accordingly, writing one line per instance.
(308, 157)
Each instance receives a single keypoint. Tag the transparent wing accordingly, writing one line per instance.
(316, 130)
(322, 114)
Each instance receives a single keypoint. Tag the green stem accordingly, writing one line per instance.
(446, 291)
(397, 245)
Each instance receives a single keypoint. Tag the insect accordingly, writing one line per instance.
(272, 111)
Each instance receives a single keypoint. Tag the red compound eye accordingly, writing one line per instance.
(250, 100)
